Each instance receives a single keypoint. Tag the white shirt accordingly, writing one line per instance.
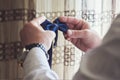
(36, 66)
(102, 63)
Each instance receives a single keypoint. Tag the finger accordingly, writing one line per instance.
(67, 37)
(74, 40)
(71, 26)
(39, 20)
(78, 24)
(78, 33)
(35, 23)
(71, 20)
(51, 34)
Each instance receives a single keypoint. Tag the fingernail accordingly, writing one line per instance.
(69, 32)
(68, 39)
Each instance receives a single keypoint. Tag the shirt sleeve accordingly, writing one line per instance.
(36, 66)
(103, 63)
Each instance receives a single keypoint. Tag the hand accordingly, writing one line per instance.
(80, 34)
(32, 32)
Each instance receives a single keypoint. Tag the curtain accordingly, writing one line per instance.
(66, 57)
(13, 14)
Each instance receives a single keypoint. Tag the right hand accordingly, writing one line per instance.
(80, 34)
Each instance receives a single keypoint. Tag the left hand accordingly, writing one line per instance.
(32, 32)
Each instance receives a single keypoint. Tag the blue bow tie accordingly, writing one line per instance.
(55, 26)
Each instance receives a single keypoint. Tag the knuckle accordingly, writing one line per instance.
(86, 32)
(75, 33)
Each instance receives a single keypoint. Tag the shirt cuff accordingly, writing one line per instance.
(35, 59)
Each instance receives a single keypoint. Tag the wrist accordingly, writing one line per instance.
(39, 45)
(21, 57)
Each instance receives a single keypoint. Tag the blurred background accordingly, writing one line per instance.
(66, 57)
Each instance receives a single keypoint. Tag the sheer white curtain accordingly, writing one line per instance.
(66, 57)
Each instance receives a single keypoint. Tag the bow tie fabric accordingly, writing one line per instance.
(55, 26)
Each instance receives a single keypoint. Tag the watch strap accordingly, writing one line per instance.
(39, 45)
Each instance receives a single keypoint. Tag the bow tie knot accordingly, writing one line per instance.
(55, 26)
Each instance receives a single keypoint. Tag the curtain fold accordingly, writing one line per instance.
(66, 57)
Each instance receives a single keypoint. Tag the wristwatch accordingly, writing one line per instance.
(39, 45)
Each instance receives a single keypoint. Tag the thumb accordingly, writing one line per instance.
(50, 34)
(78, 33)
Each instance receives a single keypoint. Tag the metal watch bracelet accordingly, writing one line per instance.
(39, 45)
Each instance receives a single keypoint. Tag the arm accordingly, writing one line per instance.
(101, 63)
(36, 66)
